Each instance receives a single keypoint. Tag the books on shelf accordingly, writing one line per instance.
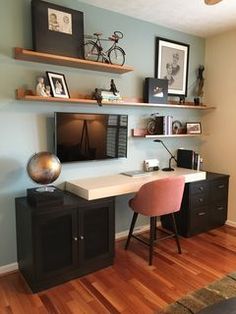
(163, 125)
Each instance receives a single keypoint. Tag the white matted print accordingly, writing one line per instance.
(58, 85)
(172, 64)
(59, 21)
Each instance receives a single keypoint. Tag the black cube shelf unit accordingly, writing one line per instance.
(204, 206)
(56, 243)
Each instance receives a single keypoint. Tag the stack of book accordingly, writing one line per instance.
(163, 125)
(110, 96)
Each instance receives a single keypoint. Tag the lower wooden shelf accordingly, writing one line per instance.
(167, 135)
(28, 95)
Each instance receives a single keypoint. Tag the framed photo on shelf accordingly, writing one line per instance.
(194, 128)
(155, 90)
(57, 30)
(172, 60)
(58, 85)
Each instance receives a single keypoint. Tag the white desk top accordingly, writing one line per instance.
(106, 186)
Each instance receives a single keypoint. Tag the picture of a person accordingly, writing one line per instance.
(58, 88)
(53, 23)
(175, 65)
(168, 75)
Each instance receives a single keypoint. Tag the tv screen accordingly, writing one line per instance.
(85, 136)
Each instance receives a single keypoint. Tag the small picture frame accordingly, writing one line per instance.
(172, 59)
(57, 30)
(58, 85)
(194, 128)
(155, 90)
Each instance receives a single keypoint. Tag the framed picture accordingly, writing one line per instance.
(194, 128)
(172, 60)
(58, 85)
(57, 29)
(155, 90)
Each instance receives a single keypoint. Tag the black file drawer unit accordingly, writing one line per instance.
(204, 206)
(56, 243)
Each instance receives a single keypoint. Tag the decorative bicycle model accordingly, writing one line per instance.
(94, 51)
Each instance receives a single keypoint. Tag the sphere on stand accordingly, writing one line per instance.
(44, 168)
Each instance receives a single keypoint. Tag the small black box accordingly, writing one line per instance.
(155, 90)
(185, 158)
(40, 199)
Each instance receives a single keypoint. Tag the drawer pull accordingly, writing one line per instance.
(75, 238)
(221, 186)
(201, 188)
(81, 237)
(202, 214)
(220, 207)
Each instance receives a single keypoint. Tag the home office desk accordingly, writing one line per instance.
(76, 237)
(119, 184)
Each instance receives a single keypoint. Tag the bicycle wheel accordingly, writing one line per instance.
(91, 51)
(116, 56)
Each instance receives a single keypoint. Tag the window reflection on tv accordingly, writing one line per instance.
(85, 136)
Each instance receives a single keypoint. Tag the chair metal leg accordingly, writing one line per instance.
(155, 233)
(134, 219)
(176, 233)
(152, 237)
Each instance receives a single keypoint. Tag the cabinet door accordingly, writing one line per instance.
(96, 234)
(55, 243)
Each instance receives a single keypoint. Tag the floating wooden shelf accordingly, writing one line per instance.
(28, 95)
(34, 56)
(172, 135)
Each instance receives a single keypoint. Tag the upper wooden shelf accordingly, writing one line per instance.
(28, 95)
(30, 55)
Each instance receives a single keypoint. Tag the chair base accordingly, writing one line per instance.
(153, 235)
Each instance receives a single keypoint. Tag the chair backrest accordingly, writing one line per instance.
(159, 197)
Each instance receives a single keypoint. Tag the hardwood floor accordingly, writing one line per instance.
(131, 286)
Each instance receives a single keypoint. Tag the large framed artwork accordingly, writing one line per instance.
(172, 60)
(56, 29)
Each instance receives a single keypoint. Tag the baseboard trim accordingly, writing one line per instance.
(8, 268)
(231, 223)
(122, 235)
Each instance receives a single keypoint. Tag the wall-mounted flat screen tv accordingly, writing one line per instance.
(86, 136)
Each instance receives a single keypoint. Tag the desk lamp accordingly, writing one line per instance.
(172, 157)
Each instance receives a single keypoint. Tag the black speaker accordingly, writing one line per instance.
(185, 158)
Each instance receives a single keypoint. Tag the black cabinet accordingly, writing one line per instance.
(58, 243)
(204, 206)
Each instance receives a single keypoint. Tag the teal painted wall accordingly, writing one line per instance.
(26, 128)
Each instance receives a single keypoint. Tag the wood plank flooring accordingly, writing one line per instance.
(131, 286)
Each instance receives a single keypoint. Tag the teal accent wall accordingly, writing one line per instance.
(26, 127)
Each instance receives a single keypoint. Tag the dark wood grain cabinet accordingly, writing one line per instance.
(204, 206)
(58, 243)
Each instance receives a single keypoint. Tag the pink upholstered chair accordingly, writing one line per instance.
(157, 198)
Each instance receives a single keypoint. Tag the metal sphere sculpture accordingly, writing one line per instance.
(44, 168)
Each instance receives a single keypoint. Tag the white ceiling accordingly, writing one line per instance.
(189, 16)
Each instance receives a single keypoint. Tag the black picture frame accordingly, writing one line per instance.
(172, 63)
(60, 91)
(57, 30)
(194, 127)
(155, 90)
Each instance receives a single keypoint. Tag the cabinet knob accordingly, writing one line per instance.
(81, 237)
(201, 188)
(75, 238)
(200, 200)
